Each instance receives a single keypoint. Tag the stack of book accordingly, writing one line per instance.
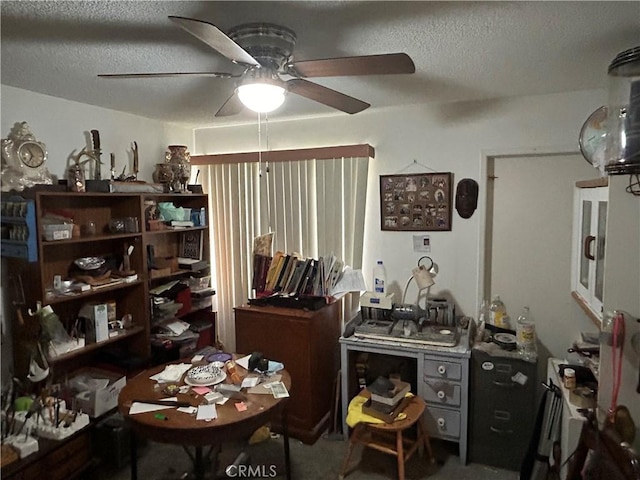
(292, 274)
(388, 398)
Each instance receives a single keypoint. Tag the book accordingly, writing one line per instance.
(191, 245)
(261, 265)
(274, 270)
(286, 268)
(181, 223)
(291, 267)
(306, 284)
(192, 264)
(297, 275)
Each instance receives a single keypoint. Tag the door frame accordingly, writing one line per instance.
(485, 205)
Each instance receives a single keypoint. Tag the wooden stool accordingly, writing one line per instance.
(388, 438)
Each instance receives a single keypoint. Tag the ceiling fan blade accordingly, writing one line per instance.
(216, 39)
(326, 96)
(385, 64)
(232, 106)
(168, 74)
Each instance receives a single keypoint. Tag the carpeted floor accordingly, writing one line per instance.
(320, 461)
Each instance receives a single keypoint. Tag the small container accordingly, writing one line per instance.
(569, 378)
(131, 224)
(90, 228)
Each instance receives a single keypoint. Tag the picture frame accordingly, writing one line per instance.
(191, 245)
(416, 202)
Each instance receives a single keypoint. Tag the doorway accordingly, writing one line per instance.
(528, 241)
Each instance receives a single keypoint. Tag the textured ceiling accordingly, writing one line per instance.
(463, 51)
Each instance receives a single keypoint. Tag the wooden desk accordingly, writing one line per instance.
(183, 429)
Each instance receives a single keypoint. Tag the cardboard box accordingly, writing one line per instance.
(369, 299)
(98, 401)
(97, 326)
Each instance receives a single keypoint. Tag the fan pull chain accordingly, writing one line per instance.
(266, 131)
(259, 147)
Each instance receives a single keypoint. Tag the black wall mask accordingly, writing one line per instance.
(466, 197)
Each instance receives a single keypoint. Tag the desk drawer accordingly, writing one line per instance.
(442, 369)
(441, 392)
(442, 423)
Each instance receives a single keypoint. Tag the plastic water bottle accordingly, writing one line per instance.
(526, 334)
(484, 314)
(498, 312)
(379, 280)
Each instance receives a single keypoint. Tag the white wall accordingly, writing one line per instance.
(454, 137)
(64, 126)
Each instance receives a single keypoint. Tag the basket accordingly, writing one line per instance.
(60, 231)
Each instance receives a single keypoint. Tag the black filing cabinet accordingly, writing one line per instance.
(503, 408)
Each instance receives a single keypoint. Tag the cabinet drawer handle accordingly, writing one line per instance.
(441, 395)
(501, 432)
(588, 242)
(441, 422)
(504, 384)
(442, 369)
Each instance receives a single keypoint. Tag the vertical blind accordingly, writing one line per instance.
(313, 207)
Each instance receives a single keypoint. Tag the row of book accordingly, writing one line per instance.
(293, 274)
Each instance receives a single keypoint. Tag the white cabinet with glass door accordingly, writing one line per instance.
(590, 225)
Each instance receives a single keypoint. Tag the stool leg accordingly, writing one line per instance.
(352, 442)
(400, 450)
(425, 437)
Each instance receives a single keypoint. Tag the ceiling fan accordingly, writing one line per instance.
(265, 51)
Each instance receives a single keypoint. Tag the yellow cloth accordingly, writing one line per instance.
(355, 415)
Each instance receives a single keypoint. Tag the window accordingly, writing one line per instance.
(313, 200)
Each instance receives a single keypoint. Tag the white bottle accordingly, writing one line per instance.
(526, 334)
(379, 280)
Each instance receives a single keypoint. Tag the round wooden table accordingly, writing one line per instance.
(182, 428)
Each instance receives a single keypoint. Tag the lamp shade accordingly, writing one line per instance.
(261, 97)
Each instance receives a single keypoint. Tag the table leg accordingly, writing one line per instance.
(198, 467)
(133, 451)
(285, 434)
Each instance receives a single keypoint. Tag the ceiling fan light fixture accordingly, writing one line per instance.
(261, 97)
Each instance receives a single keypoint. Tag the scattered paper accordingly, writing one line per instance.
(171, 373)
(188, 410)
(177, 327)
(249, 382)
(279, 390)
(207, 412)
(139, 407)
(244, 362)
(201, 390)
(265, 388)
(169, 399)
(241, 406)
(197, 358)
(350, 281)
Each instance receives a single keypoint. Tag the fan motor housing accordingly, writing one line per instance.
(270, 44)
